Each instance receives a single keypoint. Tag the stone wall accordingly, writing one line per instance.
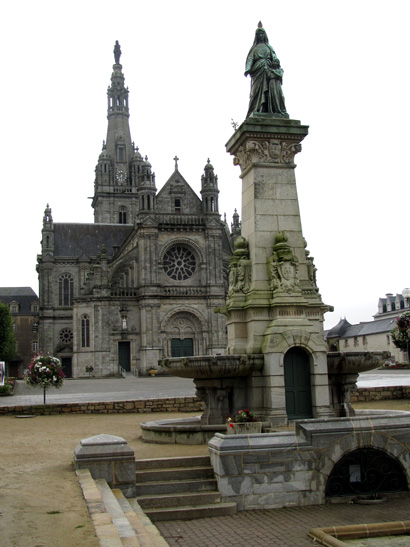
(171, 404)
(380, 394)
(280, 469)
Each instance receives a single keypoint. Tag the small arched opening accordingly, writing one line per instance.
(366, 471)
(298, 393)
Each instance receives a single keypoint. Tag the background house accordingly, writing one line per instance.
(372, 335)
(24, 308)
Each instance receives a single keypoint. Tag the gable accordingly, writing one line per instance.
(176, 196)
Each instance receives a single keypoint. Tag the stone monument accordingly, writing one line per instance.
(274, 306)
(276, 360)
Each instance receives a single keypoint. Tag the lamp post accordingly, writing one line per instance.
(406, 296)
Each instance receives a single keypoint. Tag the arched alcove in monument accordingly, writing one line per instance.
(366, 471)
(298, 391)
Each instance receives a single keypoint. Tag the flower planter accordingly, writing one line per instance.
(244, 428)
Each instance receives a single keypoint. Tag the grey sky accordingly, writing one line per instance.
(345, 76)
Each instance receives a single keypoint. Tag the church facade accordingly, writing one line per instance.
(141, 283)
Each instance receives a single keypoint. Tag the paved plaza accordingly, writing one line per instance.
(133, 388)
(99, 390)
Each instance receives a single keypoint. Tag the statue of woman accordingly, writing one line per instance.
(264, 68)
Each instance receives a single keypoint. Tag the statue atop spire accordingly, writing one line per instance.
(117, 52)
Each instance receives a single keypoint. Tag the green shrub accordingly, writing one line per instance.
(5, 390)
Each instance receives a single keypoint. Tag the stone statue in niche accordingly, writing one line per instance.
(283, 266)
(264, 68)
(240, 268)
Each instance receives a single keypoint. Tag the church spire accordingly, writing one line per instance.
(119, 145)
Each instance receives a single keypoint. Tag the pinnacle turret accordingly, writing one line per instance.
(209, 189)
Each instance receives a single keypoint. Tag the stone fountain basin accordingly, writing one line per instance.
(213, 366)
(355, 362)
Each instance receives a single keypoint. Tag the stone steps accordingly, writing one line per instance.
(179, 499)
(179, 489)
(174, 473)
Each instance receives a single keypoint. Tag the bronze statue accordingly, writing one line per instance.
(117, 52)
(264, 68)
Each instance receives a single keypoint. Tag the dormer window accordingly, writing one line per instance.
(177, 206)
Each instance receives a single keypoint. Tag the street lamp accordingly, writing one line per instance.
(406, 296)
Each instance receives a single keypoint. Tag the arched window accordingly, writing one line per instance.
(85, 331)
(122, 215)
(65, 289)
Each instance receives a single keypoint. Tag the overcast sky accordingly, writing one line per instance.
(346, 76)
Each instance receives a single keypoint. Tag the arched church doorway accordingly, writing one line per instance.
(297, 384)
(183, 334)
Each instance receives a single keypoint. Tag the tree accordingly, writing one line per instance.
(7, 337)
(401, 333)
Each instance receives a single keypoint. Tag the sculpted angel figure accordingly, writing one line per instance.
(264, 68)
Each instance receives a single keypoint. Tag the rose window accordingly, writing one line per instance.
(179, 263)
(66, 336)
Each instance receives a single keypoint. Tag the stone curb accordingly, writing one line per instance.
(330, 536)
(146, 534)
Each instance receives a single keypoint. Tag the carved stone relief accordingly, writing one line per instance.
(266, 151)
(240, 268)
(283, 266)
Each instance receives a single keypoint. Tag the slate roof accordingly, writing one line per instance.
(338, 330)
(25, 296)
(372, 327)
(74, 240)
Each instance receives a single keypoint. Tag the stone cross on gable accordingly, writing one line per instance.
(176, 163)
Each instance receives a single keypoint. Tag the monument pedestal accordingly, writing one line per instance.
(274, 306)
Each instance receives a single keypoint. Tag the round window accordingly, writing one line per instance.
(179, 263)
(66, 336)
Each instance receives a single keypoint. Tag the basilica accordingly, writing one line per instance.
(142, 282)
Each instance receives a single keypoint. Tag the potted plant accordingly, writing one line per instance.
(153, 371)
(45, 371)
(244, 422)
(89, 369)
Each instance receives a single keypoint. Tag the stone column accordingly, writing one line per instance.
(281, 307)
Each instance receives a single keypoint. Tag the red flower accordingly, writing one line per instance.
(230, 425)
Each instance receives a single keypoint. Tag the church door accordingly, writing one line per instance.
(124, 354)
(297, 384)
(182, 348)
(67, 367)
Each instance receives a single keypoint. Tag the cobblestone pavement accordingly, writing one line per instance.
(287, 527)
